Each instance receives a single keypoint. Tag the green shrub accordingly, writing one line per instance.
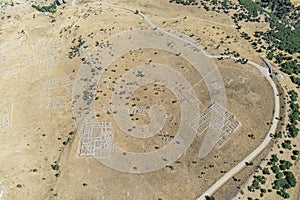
(51, 8)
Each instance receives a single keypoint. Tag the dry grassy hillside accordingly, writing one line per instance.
(40, 56)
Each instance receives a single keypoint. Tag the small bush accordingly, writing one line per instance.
(51, 8)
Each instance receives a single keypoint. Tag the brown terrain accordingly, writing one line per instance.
(39, 146)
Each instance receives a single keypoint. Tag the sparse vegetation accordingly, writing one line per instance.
(55, 167)
(45, 153)
(75, 50)
(281, 168)
(281, 41)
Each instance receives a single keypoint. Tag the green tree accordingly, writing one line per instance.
(290, 178)
(278, 135)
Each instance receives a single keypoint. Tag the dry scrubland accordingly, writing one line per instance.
(275, 148)
(38, 151)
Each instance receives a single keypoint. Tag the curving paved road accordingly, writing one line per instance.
(266, 141)
(263, 70)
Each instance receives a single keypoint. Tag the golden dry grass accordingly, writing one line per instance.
(35, 139)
